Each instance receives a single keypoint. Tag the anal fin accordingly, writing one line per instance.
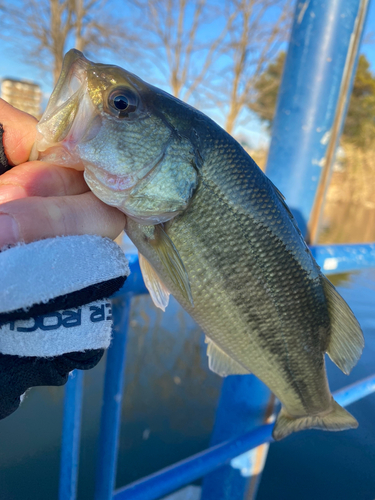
(346, 340)
(158, 291)
(220, 363)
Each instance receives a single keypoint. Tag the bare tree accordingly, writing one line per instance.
(212, 52)
(258, 31)
(47, 28)
(207, 51)
(176, 36)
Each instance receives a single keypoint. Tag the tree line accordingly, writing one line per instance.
(209, 53)
(359, 128)
(225, 56)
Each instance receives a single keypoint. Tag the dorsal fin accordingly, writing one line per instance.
(220, 363)
(346, 341)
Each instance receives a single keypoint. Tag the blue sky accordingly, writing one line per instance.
(369, 49)
(11, 65)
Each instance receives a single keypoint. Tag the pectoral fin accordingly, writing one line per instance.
(220, 363)
(346, 341)
(158, 291)
(171, 262)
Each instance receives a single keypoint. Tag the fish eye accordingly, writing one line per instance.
(122, 102)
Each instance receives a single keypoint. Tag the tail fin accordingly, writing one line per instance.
(337, 419)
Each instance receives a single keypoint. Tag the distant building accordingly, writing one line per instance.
(23, 95)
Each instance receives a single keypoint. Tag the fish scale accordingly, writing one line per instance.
(257, 320)
(212, 230)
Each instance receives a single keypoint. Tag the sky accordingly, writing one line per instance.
(13, 67)
(369, 49)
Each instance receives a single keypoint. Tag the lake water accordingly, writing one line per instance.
(168, 413)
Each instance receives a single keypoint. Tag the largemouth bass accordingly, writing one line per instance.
(212, 230)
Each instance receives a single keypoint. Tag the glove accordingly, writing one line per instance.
(55, 315)
(17, 374)
(54, 311)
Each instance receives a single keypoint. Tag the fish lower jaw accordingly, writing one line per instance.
(122, 201)
(120, 183)
(108, 194)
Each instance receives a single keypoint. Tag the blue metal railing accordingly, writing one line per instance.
(312, 101)
(112, 399)
(335, 259)
(193, 468)
(71, 436)
(188, 470)
(313, 98)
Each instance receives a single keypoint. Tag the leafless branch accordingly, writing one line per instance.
(215, 50)
(47, 28)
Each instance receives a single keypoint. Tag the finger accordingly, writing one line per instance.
(19, 133)
(31, 219)
(37, 178)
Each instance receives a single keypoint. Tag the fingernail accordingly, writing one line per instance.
(9, 231)
(9, 193)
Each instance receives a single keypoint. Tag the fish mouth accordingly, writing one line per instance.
(70, 116)
(73, 75)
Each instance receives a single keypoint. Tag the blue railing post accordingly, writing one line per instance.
(114, 382)
(312, 102)
(71, 434)
(245, 404)
(112, 398)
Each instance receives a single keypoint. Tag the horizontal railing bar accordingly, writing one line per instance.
(181, 473)
(335, 259)
(354, 392)
(171, 478)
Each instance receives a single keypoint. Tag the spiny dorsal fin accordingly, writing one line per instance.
(171, 261)
(346, 342)
(221, 363)
(158, 291)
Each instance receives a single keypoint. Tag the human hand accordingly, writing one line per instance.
(41, 200)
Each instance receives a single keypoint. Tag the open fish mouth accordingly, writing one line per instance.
(73, 75)
(70, 117)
